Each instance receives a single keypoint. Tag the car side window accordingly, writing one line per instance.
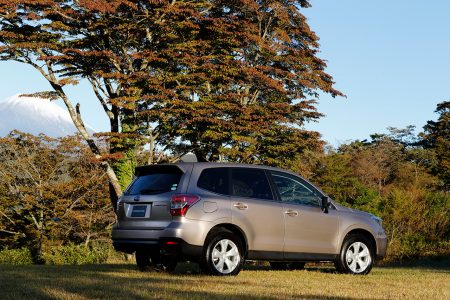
(214, 180)
(292, 190)
(251, 183)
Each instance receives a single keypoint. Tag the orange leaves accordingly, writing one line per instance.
(45, 179)
(105, 6)
(111, 157)
(68, 81)
(128, 102)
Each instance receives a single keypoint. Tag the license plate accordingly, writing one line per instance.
(139, 211)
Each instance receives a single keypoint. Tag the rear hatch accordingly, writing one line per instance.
(146, 202)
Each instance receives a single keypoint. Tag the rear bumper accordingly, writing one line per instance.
(191, 231)
(165, 246)
(183, 238)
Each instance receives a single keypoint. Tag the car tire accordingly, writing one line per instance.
(282, 266)
(356, 256)
(165, 263)
(152, 262)
(143, 261)
(222, 254)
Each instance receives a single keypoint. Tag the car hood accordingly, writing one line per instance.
(352, 210)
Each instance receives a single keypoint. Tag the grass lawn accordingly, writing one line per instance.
(119, 281)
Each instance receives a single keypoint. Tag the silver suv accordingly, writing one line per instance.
(220, 215)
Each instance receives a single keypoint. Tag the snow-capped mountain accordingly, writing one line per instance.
(34, 115)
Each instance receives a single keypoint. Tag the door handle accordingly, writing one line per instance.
(241, 206)
(291, 213)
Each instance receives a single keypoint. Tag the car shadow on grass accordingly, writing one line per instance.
(313, 267)
(122, 282)
(194, 269)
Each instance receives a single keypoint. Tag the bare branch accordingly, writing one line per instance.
(97, 88)
(35, 221)
(10, 232)
(8, 218)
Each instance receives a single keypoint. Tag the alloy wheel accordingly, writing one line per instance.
(225, 256)
(358, 257)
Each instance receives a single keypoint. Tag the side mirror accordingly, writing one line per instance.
(325, 204)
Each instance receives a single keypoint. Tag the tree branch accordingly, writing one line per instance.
(97, 88)
(8, 218)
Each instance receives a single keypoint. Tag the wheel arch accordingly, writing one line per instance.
(234, 229)
(366, 233)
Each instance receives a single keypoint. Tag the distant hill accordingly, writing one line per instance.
(34, 115)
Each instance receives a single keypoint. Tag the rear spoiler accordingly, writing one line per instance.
(162, 168)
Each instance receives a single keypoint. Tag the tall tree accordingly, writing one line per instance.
(248, 96)
(226, 80)
(436, 136)
(29, 34)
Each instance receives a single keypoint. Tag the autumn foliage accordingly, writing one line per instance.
(226, 80)
(52, 192)
(401, 177)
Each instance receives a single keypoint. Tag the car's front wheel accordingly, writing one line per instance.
(223, 254)
(356, 256)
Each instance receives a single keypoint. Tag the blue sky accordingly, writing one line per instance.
(390, 57)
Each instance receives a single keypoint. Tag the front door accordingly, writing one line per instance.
(308, 230)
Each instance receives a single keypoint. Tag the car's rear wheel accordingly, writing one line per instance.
(150, 261)
(143, 260)
(223, 254)
(356, 256)
(277, 265)
(165, 263)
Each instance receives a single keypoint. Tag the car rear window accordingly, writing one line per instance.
(214, 180)
(155, 180)
(251, 183)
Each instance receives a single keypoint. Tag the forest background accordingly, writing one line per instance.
(227, 81)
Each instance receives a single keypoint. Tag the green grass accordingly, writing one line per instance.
(121, 281)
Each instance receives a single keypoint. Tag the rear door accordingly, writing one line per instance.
(255, 211)
(146, 202)
(308, 230)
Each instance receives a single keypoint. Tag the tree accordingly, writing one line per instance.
(51, 190)
(392, 177)
(249, 98)
(226, 80)
(29, 34)
(436, 136)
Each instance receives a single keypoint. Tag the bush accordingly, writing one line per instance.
(77, 254)
(417, 223)
(16, 257)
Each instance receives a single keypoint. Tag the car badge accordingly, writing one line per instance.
(136, 198)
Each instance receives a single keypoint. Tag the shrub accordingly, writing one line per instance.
(417, 223)
(16, 256)
(77, 254)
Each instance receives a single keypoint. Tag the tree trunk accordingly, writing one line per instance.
(78, 122)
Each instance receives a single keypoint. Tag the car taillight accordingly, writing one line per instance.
(181, 203)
